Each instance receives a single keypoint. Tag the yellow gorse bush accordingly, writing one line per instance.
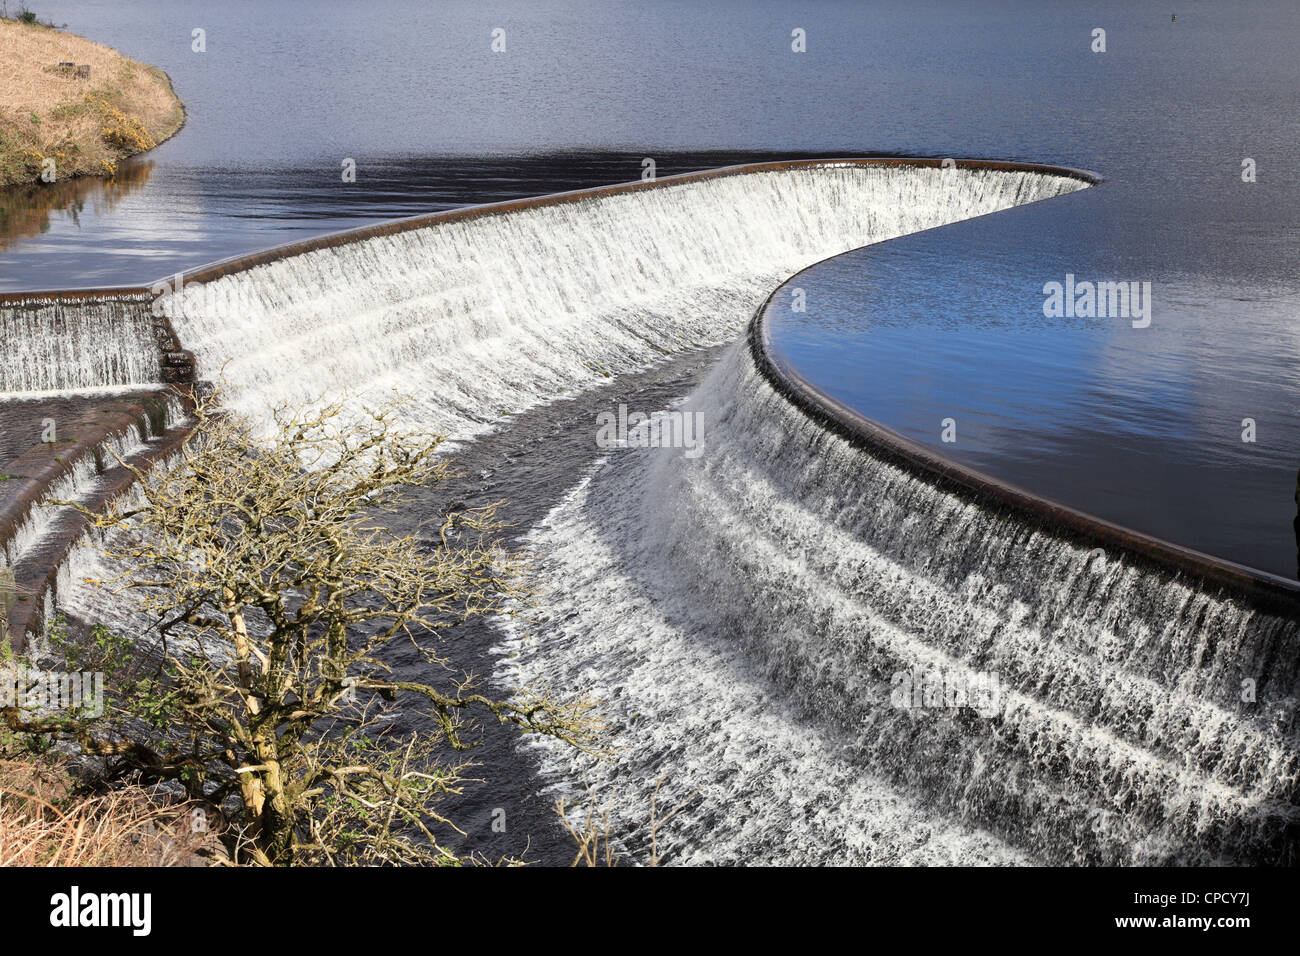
(121, 131)
(50, 112)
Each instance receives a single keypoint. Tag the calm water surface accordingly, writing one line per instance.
(1138, 425)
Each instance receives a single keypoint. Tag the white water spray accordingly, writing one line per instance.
(744, 614)
(483, 317)
(62, 344)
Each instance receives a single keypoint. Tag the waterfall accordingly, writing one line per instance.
(766, 623)
(36, 546)
(474, 318)
(828, 657)
(749, 616)
(59, 343)
(80, 481)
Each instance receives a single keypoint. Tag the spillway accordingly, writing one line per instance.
(88, 463)
(752, 612)
(746, 614)
(485, 312)
(66, 342)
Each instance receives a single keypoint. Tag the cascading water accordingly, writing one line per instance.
(475, 318)
(38, 542)
(79, 481)
(747, 614)
(65, 343)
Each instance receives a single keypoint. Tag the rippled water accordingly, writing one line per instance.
(1142, 426)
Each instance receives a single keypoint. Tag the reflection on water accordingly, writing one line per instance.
(26, 211)
(1143, 426)
(1139, 425)
(190, 216)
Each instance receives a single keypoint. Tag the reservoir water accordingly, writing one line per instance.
(1140, 425)
(741, 614)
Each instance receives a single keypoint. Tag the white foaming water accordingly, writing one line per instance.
(495, 314)
(741, 614)
(54, 345)
(75, 485)
(89, 585)
(85, 477)
(42, 527)
(744, 615)
(772, 788)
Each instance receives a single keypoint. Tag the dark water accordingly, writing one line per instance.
(1138, 425)
(1142, 426)
(528, 464)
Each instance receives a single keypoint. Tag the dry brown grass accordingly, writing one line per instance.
(87, 125)
(42, 823)
(592, 832)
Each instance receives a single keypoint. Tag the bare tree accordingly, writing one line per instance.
(275, 587)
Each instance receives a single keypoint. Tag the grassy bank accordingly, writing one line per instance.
(49, 818)
(86, 121)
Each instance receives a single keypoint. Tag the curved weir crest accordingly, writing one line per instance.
(477, 313)
(494, 311)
